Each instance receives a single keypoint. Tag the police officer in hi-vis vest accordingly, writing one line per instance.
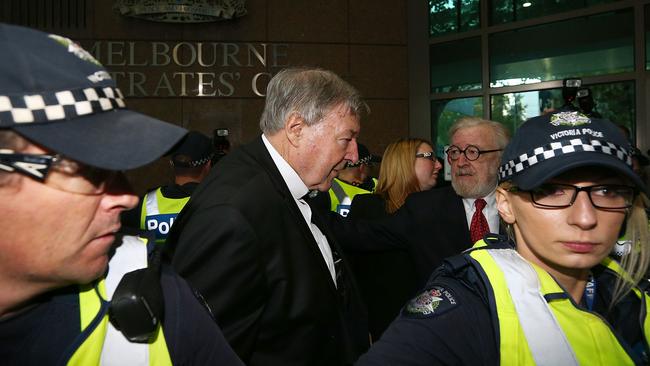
(352, 180)
(548, 293)
(191, 161)
(74, 289)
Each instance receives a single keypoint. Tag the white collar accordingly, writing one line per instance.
(490, 199)
(296, 186)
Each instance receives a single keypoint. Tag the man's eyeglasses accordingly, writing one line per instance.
(58, 172)
(607, 196)
(426, 155)
(471, 152)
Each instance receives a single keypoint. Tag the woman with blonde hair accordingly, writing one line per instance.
(550, 293)
(387, 279)
(407, 166)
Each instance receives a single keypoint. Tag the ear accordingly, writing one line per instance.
(293, 128)
(504, 206)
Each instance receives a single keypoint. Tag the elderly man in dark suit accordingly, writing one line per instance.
(439, 223)
(249, 242)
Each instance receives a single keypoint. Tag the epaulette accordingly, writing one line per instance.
(437, 297)
(498, 241)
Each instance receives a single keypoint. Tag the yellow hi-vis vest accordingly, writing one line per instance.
(539, 324)
(159, 212)
(341, 190)
(100, 333)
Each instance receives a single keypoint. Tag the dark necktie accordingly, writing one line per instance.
(336, 257)
(339, 267)
(479, 225)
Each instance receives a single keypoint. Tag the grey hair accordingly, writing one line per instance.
(501, 133)
(309, 92)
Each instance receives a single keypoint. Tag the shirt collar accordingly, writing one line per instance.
(296, 186)
(490, 201)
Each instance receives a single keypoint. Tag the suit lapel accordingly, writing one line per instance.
(457, 218)
(345, 283)
(261, 154)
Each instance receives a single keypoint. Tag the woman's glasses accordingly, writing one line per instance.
(607, 196)
(427, 155)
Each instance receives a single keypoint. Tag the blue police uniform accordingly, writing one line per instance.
(456, 320)
(68, 326)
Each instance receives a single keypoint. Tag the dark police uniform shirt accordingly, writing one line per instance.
(458, 332)
(43, 334)
(461, 329)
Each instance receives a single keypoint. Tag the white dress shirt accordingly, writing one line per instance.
(298, 190)
(489, 211)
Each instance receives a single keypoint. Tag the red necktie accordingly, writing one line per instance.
(479, 225)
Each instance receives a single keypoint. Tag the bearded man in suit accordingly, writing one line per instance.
(435, 224)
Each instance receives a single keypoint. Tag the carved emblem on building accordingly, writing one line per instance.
(181, 11)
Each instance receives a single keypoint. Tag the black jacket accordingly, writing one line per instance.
(431, 225)
(387, 279)
(242, 241)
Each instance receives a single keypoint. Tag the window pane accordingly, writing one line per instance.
(513, 109)
(616, 102)
(647, 37)
(594, 45)
(445, 112)
(451, 16)
(503, 11)
(455, 66)
(613, 101)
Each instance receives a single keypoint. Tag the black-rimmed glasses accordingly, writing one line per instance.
(607, 196)
(426, 155)
(471, 152)
(58, 172)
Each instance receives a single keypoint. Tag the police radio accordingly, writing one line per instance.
(137, 306)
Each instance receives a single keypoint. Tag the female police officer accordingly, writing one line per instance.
(551, 295)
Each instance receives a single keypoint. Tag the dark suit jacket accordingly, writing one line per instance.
(387, 279)
(243, 243)
(431, 225)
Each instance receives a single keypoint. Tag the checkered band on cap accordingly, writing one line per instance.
(365, 160)
(58, 105)
(203, 161)
(562, 148)
(193, 163)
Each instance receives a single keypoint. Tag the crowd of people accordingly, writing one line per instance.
(286, 251)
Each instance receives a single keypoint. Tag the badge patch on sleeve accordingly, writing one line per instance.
(431, 302)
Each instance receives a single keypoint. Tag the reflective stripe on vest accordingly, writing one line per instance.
(340, 190)
(545, 337)
(117, 350)
(105, 345)
(159, 212)
(589, 339)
